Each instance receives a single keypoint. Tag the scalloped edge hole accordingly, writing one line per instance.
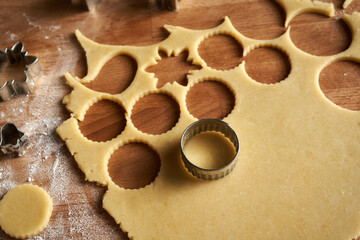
(221, 52)
(155, 113)
(210, 99)
(267, 65)
(340, 83)
(103, 121)
(320, 35)
(134, 165)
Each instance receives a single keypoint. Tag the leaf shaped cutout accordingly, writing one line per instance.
(172, 69)
(115, 76)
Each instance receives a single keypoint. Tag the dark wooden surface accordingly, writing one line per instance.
(47, 29)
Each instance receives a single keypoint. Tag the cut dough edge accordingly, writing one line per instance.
(25, 211)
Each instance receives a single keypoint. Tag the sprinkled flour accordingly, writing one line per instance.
(48, 164)
(78, 212)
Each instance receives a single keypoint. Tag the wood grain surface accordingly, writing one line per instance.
(47, 29)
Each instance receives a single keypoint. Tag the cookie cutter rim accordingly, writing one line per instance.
(87, 5)
(14, 149)
(32, 70)
(206, 125)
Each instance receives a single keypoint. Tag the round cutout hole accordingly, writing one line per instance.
(210, 99)
(320, 35)
(340, 82)
(263, 19)
(267, 65)
(221, 52)
(103, 121)
(155, 113)
(134, 165)
(115, 76)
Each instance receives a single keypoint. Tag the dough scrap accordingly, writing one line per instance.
(25, 211)
(347, 3)
(298, 172)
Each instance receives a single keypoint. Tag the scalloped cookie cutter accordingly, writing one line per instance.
(33, 69)
(206, 125)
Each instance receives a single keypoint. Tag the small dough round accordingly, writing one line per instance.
(209, 150)
(25, 211)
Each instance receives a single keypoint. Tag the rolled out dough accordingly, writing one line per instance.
(298, 173)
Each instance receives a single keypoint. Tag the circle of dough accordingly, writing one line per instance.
(25, 211)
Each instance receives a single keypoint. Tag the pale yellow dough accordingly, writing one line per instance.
(25, 211)
(209, 150)
(298, 175)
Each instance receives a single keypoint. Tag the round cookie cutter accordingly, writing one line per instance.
(206, 125)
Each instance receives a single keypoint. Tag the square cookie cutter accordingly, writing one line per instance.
(14, 87)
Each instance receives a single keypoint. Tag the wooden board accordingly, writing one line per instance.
(47, 29)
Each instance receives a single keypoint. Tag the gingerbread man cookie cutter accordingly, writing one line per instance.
(13, 142)
(14, 87)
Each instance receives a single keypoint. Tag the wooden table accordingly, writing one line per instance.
(47, 29)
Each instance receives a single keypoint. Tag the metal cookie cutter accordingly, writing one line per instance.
(15, 87)
(206, 125)
(13, 142)
(169, 4)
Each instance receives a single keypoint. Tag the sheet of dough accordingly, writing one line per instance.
(298, 175)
